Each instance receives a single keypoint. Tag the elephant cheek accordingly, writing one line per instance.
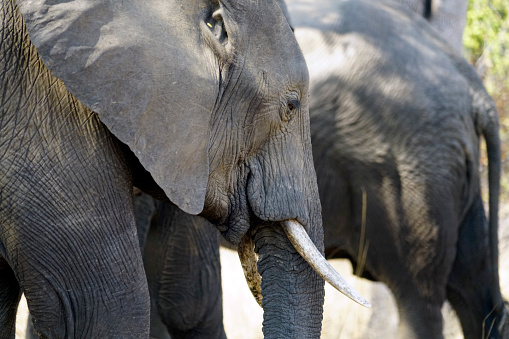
(292, 291)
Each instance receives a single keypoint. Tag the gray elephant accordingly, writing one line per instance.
(396, 120)
(200, 103)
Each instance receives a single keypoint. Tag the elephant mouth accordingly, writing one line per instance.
(305, 247)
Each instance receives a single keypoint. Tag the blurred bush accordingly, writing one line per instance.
(486, 46)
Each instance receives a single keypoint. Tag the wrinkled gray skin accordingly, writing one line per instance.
(396, 120)
(448, 17)
(181, 260)
(218, 117)
(184, 276)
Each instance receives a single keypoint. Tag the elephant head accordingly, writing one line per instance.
(211, 97)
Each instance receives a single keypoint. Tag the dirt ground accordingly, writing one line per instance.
(342, 317)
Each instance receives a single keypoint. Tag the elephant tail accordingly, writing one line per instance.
(487, 120)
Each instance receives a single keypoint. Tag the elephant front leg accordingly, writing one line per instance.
(10, 295)
(184, 275)
(83, 279)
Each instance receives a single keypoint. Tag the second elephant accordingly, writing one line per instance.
(396, 121)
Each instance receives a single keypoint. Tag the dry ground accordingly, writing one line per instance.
(342, 318)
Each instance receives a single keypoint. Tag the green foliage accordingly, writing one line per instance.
(486, 41)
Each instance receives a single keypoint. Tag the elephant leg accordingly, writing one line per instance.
(93, 287)
(417, 267)
(10, 294)
(420, 317)
(82, 275)
(469, 288)
(184, 274)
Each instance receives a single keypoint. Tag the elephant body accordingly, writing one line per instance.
(396, 121)
(194, 103)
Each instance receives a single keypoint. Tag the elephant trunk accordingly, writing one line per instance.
(292, 291)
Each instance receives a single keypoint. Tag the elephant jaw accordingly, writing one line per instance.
(305, 247)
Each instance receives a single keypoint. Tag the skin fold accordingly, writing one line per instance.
(202, 103)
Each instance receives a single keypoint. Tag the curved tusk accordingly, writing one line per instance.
(307, 249)
(248, 260)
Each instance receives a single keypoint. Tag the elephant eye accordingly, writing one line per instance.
(291, 107)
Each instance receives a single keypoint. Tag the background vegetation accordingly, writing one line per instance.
(486, 46)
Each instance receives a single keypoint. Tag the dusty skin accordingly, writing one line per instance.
(378, 322)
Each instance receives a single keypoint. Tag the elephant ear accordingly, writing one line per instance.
(141, 65)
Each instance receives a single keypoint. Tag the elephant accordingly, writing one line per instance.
(396, 121)
(202, 103)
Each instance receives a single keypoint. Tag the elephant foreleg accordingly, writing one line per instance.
(93, 286)
(10, 295)
(184, 276)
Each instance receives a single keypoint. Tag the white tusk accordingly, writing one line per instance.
(307, 249)
(248, 260)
